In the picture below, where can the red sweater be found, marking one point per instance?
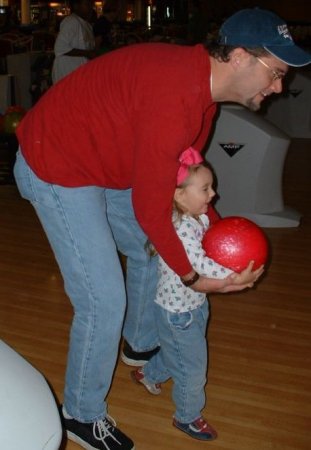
(121, 121)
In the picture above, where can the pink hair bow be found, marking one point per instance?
(188, 158)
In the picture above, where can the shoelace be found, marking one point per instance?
(101, 430)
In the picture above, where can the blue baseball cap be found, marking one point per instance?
(261, 28)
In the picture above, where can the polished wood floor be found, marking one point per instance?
(260, 341)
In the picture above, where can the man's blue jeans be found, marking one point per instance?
(182, 357)
(141, 271)
(84, 227)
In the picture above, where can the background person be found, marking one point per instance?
(75, 42)
(105, 29)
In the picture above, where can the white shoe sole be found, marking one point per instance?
(74, 438)
(132, 362)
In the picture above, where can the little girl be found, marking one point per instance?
(180, 312)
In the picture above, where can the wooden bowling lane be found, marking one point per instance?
(259, 392)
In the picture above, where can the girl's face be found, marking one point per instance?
(194, 198)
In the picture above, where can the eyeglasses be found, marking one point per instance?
(275, 75)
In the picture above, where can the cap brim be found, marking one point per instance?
(290, 55)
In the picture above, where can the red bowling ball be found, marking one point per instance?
(235, 241)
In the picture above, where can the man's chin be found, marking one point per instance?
(252, 105)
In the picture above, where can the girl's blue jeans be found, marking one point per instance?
(182, 357)
(85, 226)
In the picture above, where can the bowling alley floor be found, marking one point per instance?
(259, 382)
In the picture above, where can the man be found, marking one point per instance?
(75, 42)
(84, 157)
(104, 29)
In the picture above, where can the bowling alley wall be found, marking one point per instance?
(290, 10)
(296, 12)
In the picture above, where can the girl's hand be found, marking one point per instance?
(234, 282)
(247, 276)
(243, 280)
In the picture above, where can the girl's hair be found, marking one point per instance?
(178, 212)
(191, 171)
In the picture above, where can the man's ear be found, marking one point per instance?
(238, 58)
